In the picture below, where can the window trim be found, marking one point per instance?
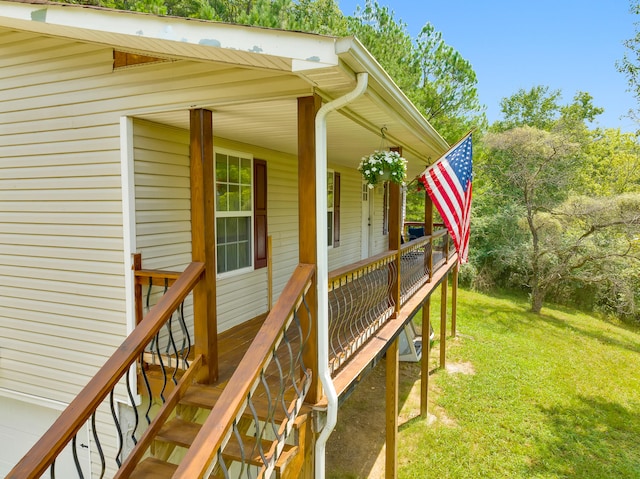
(334, 208)
(234, 214)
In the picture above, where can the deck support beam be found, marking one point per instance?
(391, 416)
(443, 320)
(424, 360)
(203, 239)
(454, 298)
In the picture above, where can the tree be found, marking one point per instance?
(613, 165)
(537, 108)
(558, 205)
(532, 165)
(447, 89)
(388, 41)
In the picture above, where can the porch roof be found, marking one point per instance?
(307, 62)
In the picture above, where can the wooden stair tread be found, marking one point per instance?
(287, 456)
(201, 395)
(205, 397)
(182, 433)
(152, 468)
(179, 432)
(233, 452)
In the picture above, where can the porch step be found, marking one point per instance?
(178, 432)
(152, 468)
(182, 433)
(205, 397)
(159, 381)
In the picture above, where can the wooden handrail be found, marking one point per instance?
(353, 267)
(214, 431)
(157, 277)
(417, 242)
(44, 452)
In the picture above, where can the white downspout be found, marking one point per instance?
(322, 272)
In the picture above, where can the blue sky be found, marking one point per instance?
(567, 45)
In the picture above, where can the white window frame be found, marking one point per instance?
(235, 214)
(330, 207)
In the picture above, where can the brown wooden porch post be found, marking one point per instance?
(443, 320)
(203, 240)
(426, 352)
(391, 416)
(395, 232)
(454, 299)
(307, 109)
(428, 231)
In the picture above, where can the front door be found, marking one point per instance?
(367, 220)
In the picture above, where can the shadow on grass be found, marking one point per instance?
(594, 439)
(600, 337)
(516, 313)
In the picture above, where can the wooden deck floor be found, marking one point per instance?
(234, 343)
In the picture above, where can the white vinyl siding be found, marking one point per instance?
(61, 235)
(22, 424)
(61, 271)
(162, 196)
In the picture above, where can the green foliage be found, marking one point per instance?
(613, 164)
(437, 79)
(537, 108)
(533, 225)
(388, 41)
(447, 92)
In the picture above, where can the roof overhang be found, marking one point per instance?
(173, 37)
(327, 65)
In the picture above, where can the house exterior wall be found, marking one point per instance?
(61, 242)
(62, 234)
(62, 261)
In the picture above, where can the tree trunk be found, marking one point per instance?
(537, 298)
(537, 294)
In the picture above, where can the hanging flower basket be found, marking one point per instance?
(383, 165)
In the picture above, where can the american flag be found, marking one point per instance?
(448, 183)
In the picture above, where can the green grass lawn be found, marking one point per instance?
(555, 395)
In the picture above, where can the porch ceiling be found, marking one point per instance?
(352, 132)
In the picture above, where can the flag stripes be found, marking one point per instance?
(448, 183)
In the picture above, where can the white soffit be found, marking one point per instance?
(173, 36)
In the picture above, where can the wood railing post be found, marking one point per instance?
(428, 231)
(137, 288)
(445, 248)
(454, 298)
(307, 109)
(391, 420)
(426, 352)
(203, 239)
(443, 320)
(395, 233)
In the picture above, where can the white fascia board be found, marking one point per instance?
(301, 50)
(362, 60)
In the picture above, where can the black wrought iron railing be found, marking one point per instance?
(360, 301)
(107, 392)
(249, 426)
